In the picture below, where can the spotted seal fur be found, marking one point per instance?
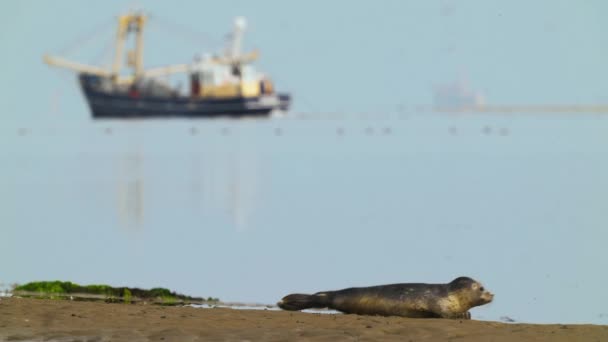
(415, 300)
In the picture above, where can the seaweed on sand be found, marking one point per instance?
(66, 289)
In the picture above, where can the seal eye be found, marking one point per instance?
(481, 289)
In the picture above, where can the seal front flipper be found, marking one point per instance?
(297, 301)
(462, 315)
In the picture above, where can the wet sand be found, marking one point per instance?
(24, 319)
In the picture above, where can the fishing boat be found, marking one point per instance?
(225, 84)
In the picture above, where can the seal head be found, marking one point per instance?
(470, 291)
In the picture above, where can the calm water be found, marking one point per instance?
(249, 211)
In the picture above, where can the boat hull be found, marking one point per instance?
(123, 105)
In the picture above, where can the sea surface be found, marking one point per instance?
(251, 210)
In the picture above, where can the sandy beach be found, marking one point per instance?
(23, 319)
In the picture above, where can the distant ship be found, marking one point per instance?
(221, 85)
(456, 96)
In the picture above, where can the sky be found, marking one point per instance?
(352, 188)
(339, 56)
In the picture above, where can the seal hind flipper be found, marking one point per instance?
(297, 301)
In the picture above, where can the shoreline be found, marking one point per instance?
(26, 319)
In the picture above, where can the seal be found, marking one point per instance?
(415, 300)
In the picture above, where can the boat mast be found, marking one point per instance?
(126, 24)
(139, 48)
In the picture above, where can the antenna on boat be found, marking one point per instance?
(232, 53)
(240, 24)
